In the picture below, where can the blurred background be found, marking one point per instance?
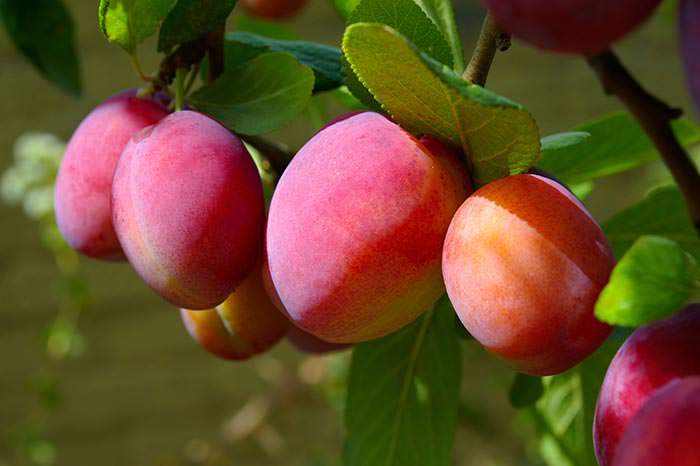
(95, 369)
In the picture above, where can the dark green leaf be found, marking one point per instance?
(662, 213)
(42, 30)
(409, 20)
(130, 22)
(617, 144)
(500, 136)
(525, 391)
(554, 143)
(442, 14)
(190, 19)
(324, 60)
(261, 95)
(652, 281)
(403, 395)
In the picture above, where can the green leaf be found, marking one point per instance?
(190, 19)
(554, 143)
(617, 144)
(130, 22)
(408, 19)
(42, 30)
(403, 395)
(652, 281)
(345, 7)
(582, 190)
(564, 414)
(663, 213)
(324, 60)
(525, 391)
(442, 14)
(499, 136)
(259, 96)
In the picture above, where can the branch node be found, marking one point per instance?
(491, 40)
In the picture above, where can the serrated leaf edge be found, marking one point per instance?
(463, 133)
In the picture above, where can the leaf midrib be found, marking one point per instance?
(410, 372)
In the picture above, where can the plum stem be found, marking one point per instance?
(491, 40)
(655, 117)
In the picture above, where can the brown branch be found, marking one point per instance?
(655, 117)
(278, 155)
(491, 40)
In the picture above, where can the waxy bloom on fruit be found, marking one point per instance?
(188, 209)
(356, 228)
(84, 183)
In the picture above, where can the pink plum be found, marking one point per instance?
(356, 227)
(188, 209)
(84, 183)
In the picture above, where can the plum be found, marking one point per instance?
(524, 263)
(188, 209)
(356, 228)
(650, 358)
(84, 182)
(585, 27)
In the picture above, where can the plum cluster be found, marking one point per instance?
(648, 410)
(367, 228)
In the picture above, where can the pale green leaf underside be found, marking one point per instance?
(652, 281)
(261, 95)
(130, 22)
(499, 136)
(403, 393)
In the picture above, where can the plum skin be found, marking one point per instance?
(84, 182)
(586, 27)
(523, 264)
(356, 228)
(273, 9)
(650, 358)
(245, 325)
(188, 209)
(301, 340)
(665, 430)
